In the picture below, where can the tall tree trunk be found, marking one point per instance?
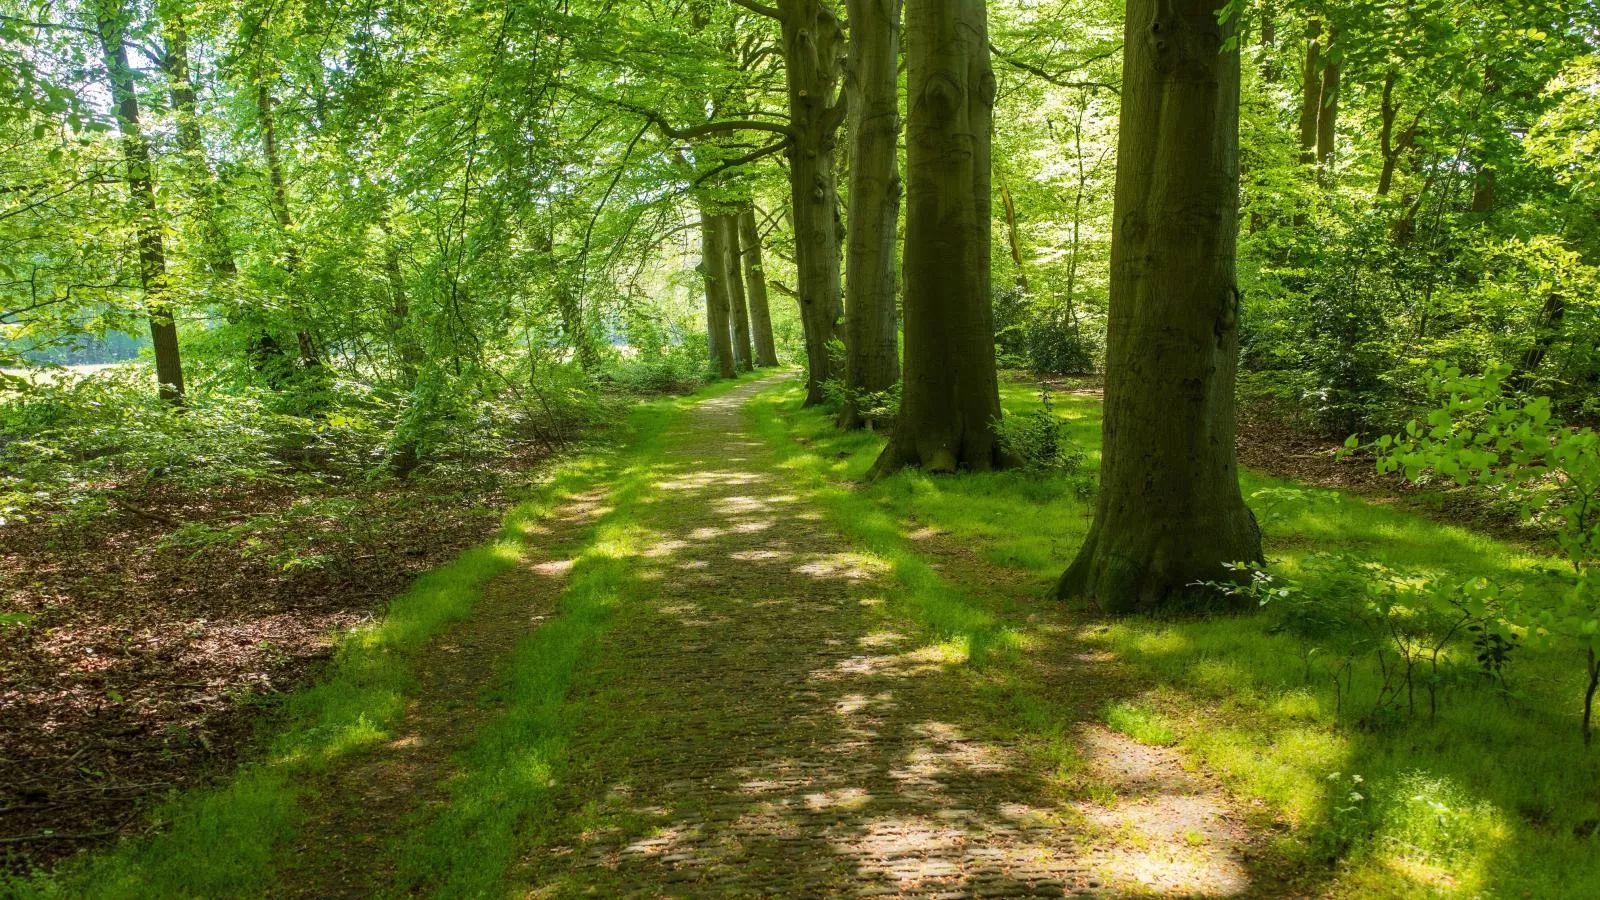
(1388, 112)
(743, 356)
(1328, 118)
(1311, 92)
(1266, 59)
(268, 120)
(872, 346)
(950, 400)
(401, 334)
(204, 198)
(812, 38)
(1170, 512)
(714, 269)
(755, 282)
(111, 21)
(1546, 330)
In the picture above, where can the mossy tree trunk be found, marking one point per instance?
(1170, 512)
(950, 400)
(755, 284)
(743, 355)
(812, 38)
(872, 347)
(111, 19)
(714, 269)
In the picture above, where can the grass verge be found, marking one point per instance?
(1495, 796)
(220, 842)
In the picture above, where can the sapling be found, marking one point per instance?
(1478, 434)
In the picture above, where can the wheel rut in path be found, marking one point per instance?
(361, 806)
(759, 725)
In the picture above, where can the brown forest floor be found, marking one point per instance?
(155, 650)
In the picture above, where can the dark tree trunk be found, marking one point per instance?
(755, 283)
(111, 23)
(1546, 330)
(872, 347)
(950, 400)
(1170, 512)
(743, 355)
(715, 272)
(811, 41)
(1013, 238)
(1388, 112)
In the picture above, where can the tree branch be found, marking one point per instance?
(1056, 77)
(759, 9)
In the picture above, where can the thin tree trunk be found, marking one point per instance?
(811, 40)
(950, 400)
(205, 200)
(111, 23)
(1311, 92)
(755, 282)
(268, 120)
(400, 332)
(743, 355)
(1169, 512)
(714, 270)
(872, 347)
(1012, 238)
(1328, 118)
(1546, 330)
(1388, 112)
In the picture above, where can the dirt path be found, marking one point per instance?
(757, 723)
(785, 738)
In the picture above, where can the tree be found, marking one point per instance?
(950, 400)
(755, 279)
(713, 267)
(111, 23)
(1169, 512)
(738, 309)
(872, 346)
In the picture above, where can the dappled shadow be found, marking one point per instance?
(785, 739)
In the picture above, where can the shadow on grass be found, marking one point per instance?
(1495, 796)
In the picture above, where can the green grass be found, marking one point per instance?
(1495, 797)
(1139, 721)
(221, 842)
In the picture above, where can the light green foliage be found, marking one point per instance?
(1040, 440)
(1479, 435)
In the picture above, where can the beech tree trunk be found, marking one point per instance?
(872, 345)
(715, 272)
(204, 199)
(111, 23)
(743, 354)
(811, 41)
(1170, 512)
(950, 400)
(755, 288)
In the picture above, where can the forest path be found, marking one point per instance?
(761, 724)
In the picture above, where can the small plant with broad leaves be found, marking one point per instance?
(1480, 433)
(1040, 440)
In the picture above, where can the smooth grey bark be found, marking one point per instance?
(872, 345)
(267, 118)
(111, 25)
(204, 199)
(755, 288)
(950, 400)
(739, 312)
(812, 38)
(714, 270)
(1169, 511)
